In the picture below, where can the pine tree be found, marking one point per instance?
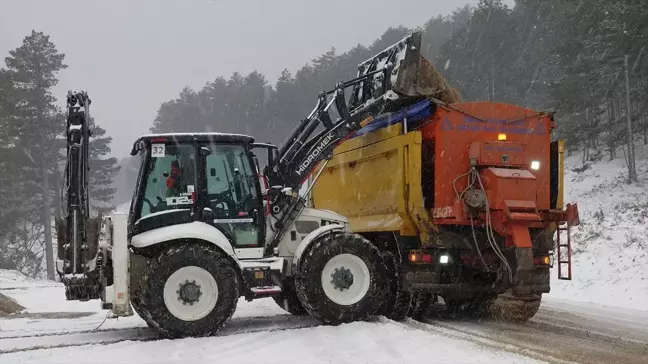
(7, 166)
(102, 170)
(33, 67)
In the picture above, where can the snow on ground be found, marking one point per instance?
(610, 247)
(362, 342)
(10, 279)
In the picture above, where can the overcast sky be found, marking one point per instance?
(133, 55)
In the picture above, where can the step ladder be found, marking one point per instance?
(564, 252)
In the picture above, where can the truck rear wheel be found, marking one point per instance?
(421, 305)
(398, 301)
(341, 278)
(189, 290)
(479, 307)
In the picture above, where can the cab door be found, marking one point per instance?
(232, 198)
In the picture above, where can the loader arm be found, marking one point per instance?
(384, 82)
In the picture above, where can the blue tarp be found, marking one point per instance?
(414, 113)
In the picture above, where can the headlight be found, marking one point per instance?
(535, 165)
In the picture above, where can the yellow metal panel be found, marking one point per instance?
(386, 222)
(361, 182)
(374, 180)
(415, 202)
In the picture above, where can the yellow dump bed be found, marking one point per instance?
(375, 181)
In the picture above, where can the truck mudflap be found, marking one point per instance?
(513, 308)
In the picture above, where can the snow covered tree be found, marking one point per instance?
(33, 67)
(103, 170)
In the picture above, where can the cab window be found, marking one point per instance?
(170, 178)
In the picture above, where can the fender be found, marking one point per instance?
(308, 239)
(192, 230)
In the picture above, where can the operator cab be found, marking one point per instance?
(207, 177)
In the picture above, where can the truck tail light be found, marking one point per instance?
(419, 257)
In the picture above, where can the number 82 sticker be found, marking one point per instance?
(157, 150)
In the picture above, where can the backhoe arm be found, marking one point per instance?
(77, 232)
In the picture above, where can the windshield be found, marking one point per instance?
(169, 178)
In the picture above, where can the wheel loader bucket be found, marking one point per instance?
(412, 74)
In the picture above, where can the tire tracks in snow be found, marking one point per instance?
(553, 336)
(525, 349)
(237, 326)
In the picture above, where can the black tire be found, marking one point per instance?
(288, 299)
(311, 292)
(135, 292)
(478, 307)
(135, 303)
(421, 305)
(189, 256)
(398, 301)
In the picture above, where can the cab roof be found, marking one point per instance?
(191, 137)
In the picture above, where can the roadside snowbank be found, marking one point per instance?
(11, 279)
(610, 246)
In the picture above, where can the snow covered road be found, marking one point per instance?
(565, 331)
(52, 330)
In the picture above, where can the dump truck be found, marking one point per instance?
(466, 197)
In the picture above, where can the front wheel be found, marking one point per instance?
(189, 290)
(341, 278)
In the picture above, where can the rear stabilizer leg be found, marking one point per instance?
(117, 295)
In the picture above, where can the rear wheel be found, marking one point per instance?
(421, 305)
(189, 290)
(340, 278)
(398, 301)
(135, 303)
(476, 307)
